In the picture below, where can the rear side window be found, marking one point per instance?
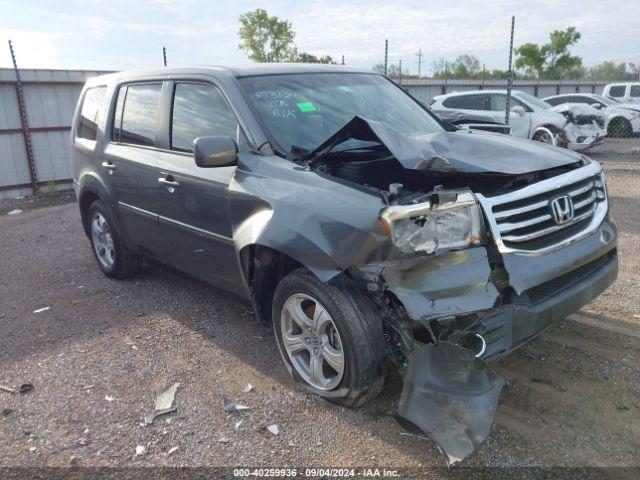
(88, 126)
(556, 101)
(199, 111)
(467, 102)
(136, 117)
(634, 91)
(617, 91)
(569, 99)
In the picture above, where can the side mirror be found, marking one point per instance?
(518, 110)
(211, 152)
(596, 105)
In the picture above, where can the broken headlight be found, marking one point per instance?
(427, 227)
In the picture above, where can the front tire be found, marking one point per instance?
(111, 255)
(330, 338)
(545, 135)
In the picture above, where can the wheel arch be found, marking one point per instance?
(262, 269)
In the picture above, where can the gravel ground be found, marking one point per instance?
(104, 349)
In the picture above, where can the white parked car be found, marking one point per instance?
(625, 92)
(571, 126)
(621, 119)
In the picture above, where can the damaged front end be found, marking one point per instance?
(451, 235)
(476, 275)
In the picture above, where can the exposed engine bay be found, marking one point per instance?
(403, 168)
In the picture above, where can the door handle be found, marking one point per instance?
(109, 166)
(168, 183)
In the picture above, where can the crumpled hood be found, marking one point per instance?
(459, 151)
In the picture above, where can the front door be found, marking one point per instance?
(520, 124)
(194, 211)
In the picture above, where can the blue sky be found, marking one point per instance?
(119, 34)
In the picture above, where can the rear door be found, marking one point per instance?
(194, 209)
(131, 157)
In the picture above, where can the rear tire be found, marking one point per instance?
(108, 249)
(359, 337)
(619, 128)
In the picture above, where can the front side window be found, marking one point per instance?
(88, 126)
(303, 110)
(634, 91)
(617, 91)
(199, 111)
(139, 105)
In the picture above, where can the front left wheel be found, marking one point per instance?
(330, 337)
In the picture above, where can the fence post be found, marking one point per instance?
(24, 122)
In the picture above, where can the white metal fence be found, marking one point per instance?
(50, 98)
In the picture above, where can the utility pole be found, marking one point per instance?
(510, 82)
(164, 55)
(484, 70)
(419, 55)
(399, 72)
(342, 60)
(386, 53)
(26, 131)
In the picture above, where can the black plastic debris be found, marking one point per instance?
(449, 399)
(25, 388)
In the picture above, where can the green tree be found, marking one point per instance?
(553, 59)
(464, 66)
(304, 57)
(608, 71)
(265, 38)
(392, 70)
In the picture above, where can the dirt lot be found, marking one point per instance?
(104, 349)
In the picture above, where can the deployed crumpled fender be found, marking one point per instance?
(451, 400)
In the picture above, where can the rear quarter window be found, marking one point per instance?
(88, 122)
(634, 91)
(617, 91)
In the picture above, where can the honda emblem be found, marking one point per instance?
(562, 209)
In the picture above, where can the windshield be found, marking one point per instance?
(303, 110)
(532, 101)
(607, 101)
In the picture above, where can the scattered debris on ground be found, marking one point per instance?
(230, 406)
(164, 404)
(40, 310)
(273, 429)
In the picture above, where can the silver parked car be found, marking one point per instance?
(530, 117)
(621, 119)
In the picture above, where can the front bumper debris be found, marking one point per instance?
(450, 399)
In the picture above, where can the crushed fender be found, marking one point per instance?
(449, 399)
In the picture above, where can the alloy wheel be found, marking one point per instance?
(102, 240)
(312, 341)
